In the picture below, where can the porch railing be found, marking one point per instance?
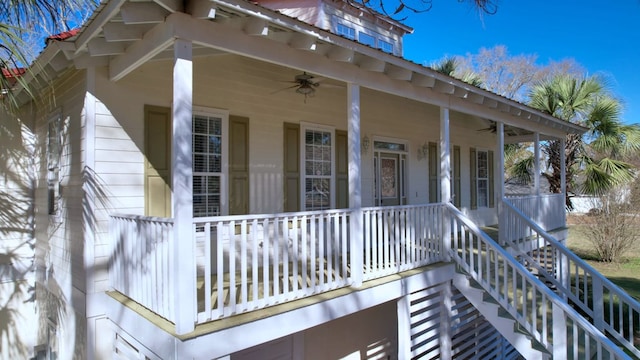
(548, 211)
(609, 307)
(249, 262)
(401, 238)
(141, 261)
(254, 261)
(542, 313)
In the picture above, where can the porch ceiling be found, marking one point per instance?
(125, 34)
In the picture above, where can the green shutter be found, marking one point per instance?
(238, 165)
(457, 194)
(157, 164)
(434, 166)
(291, 167)
(342, 169)
(491, 180)
(473, 182)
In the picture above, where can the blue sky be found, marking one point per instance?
(602, 36)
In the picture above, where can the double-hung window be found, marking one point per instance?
(210, 155)
(317, 157)
(482, 178)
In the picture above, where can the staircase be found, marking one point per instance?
(499, 319)
(601, 302)
(539, 323)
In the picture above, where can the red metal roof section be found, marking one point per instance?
(63, 35)
(12, 73)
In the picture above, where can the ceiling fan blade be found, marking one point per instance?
(283, 89)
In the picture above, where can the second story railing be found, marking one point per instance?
(400, 238)
(141, 265)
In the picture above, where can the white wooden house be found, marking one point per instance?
(271, 179)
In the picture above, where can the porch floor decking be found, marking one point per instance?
(249, 316)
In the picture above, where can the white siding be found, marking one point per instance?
(17, 277)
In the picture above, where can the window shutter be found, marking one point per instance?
(491, 180)
(434, 166)
(291, 167)
(456, 177)
(472, 172)
(157, 164)
(238, 165)
(342, 170)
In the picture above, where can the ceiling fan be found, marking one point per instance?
(305, 84)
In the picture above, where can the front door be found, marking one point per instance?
(389, 170)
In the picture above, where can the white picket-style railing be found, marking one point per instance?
(141, 261)
(543, 314)
(609, 307)
(250, 262)
(547, 210)
(400, 238)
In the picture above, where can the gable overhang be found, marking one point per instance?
(124, 35)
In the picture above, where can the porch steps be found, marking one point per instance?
(504, 323)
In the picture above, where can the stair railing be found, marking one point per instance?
(609, 307)
(544, 315)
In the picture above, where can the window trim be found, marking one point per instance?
(304, 127)
(487, 178)
(359, 29)
(403, 168)
(224, 174)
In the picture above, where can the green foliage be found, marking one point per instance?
(20, 22)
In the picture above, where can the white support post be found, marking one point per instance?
(404, 327)
(559, 332)
(182, 186)
(445, 157)
(536, 178)
(355, 197)
(445, 322)
(502, 225)
(445, 178)
(563, 175)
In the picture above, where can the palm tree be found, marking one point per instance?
(598, 155)
(23, 19)
(449, 66)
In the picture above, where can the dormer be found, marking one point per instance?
(348, 19)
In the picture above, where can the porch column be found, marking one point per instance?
(536, 159)
(563, 177)
(500, 179)
(184, 271)
(355, 198)
(445, 179)
(536, 178)
(403, 307)
(445, 157)
(563, 170)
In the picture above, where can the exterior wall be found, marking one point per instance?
(245, 87)
(61, 287)
(17, 273)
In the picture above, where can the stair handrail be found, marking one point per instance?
(560, 309)
(599, 282)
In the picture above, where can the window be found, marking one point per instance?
(209, 159)
(318, 169)
(385, 46)
(54, 149)
(346, 31)
(367, 39)
(482, 178)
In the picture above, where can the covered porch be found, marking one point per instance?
(191, 269)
